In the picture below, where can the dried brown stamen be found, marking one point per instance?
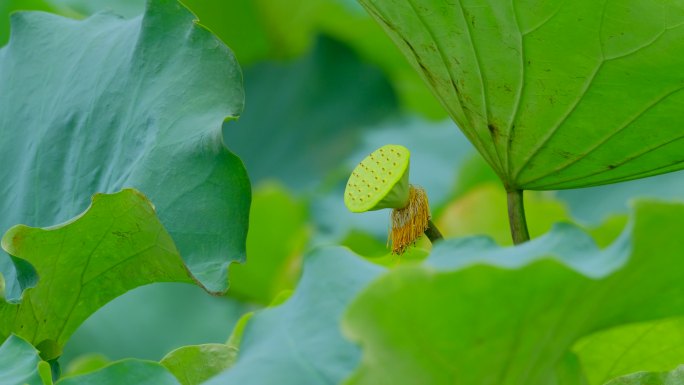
(410, 222)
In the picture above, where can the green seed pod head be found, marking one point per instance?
(380, 181)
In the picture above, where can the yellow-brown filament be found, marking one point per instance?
(410, 222)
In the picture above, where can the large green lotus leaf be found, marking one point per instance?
(554, 95)
(675, 377)
(654, 346)
(85, 364)
(105, 103)
(482, 314)
(116, 245)
(129, 371)
(278, 233)
(257, 30)
(337, 93)
(20, 363)
(195, 364)
(299, 341)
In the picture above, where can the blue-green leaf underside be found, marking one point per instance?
(106, 103)
(128, 371)
(19, 363)
(299, 341)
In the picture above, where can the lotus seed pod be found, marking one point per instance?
(380, 181)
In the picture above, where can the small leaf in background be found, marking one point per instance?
(257, 30)
(594, 204)
(675, 377)
(318, 107)
(299, 341)
(655, 346)
(116, 245)
(9, 6)
(481, 314)
(136, 372)
(195, 364)
(126, 8)
(19, 363)
(553, 96)
(379, 253)
(150, 321)
(479, 211)
(106, 103)
(85, 364)
(278, 233)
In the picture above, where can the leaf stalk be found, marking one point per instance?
(516, 217)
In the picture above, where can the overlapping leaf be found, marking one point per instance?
(150, 321)
(20, 364)
(674, 377)
(194, 364)
(125, 372)
(481, 314)
(554, 95)
(655, 346)
(278, 232)
(115, 246)
(299, 341)
(105, 103)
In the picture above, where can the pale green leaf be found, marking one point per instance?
(649, 346)
(277, 236)
(85, 364)
(553, 94)
(478, 212)
(482, 314)
(195, 364)
(116, 245)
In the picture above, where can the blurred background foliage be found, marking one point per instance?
(324, 87)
